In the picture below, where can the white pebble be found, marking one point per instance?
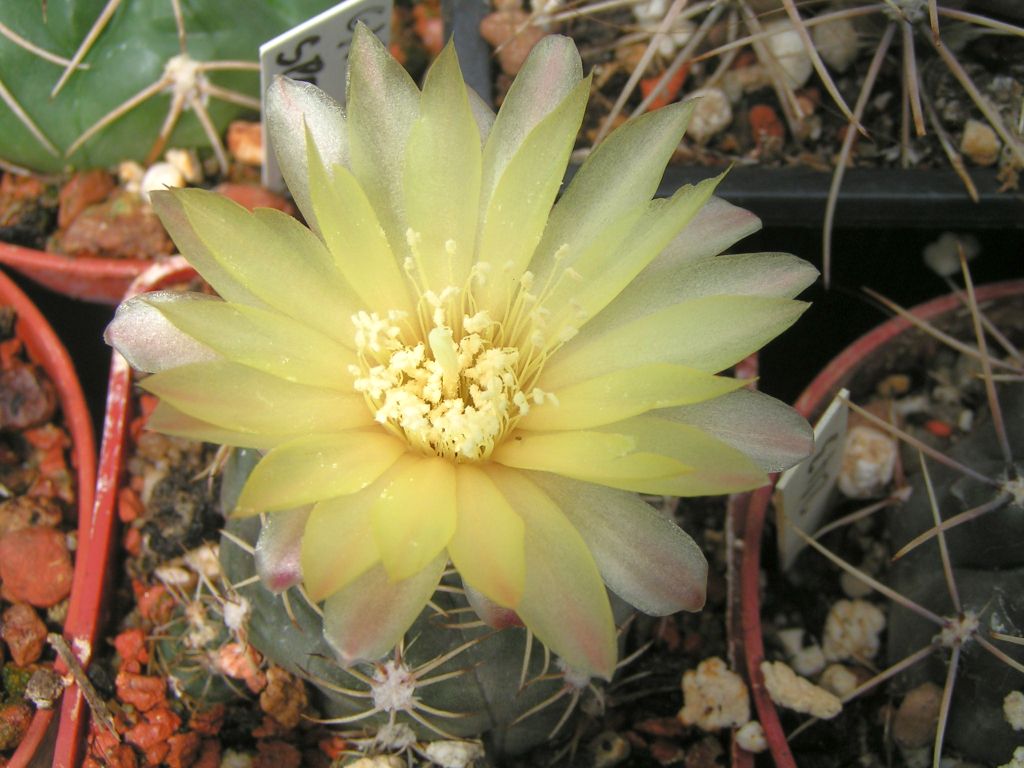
(791, 691)
(714, 697)
(454, 754)
(1017, 761)
(750, 737)
(232, 759)
(1013, 710)
(791, 639)
(853, 587)
(788, 49)
(965, 421)
(942, 255)
(160, 176)
(186, 161)
(869, 457)
(711, 114)
(809, 661)
(852, 630)
(838, 679)
(836, 42)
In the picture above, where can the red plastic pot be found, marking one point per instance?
(99, 557)
(857, 368)
(101, 281)
(80, 627)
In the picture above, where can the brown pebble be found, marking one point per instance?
(980, 143)
(85, 188)
(894, 385)
(123, 227)
(277, 754)
(706, 753)
(27, 397)
(35, 566)
(917, 716)
(28, 511)
(24, 632)
(254, 196)
(284, 698)
(509, 32)
(666, 752)
(245, 142)
(14, 720)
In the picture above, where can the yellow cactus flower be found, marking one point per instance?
(448, 365)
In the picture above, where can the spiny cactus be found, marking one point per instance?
(133, 67)
(988, 564)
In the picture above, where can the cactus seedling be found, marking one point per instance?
(446, 367)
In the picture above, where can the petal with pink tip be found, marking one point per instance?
(366, 619)
(666, 282)
(338, 544)
(770, 432)
(278, 549)
(715, 466)
(564, 601)
(148, 341)
(294, 108)
(382, 105)
(644, 557)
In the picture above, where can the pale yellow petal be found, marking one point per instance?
(414, 514)
(615, 258)
(516, 214)
(169, 420)
(338, 544)
(316, 467)
(564, 601)
(627, 392)
(716, 467)
(265, 340)
(242, 399)
(353, 234)
(442, 177)
(600, 457)
(709, 333)
(487, 547)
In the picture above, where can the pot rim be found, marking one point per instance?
(811, 403)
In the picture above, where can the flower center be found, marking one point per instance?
(453, 381)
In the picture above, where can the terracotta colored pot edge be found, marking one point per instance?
(812, 402)
(93, 279)
(46, 349)
(102, 544)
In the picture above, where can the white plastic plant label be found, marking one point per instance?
(316, 51)
(803, 491)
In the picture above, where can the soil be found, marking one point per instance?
(37, 530)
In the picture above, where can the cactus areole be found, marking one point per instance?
(448, 365)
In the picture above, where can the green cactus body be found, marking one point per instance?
(130, 54)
